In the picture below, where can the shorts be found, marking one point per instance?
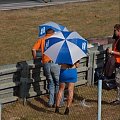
(68, 75)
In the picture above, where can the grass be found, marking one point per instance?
(19, 28)
(19, 31)
(36, 109)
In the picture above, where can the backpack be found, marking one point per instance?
(108, 83)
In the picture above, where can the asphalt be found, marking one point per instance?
(20, 4)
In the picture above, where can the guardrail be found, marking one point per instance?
(25, 79)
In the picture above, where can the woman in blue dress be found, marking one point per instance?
(68, 76)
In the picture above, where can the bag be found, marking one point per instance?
(107, 83)
(109, 66)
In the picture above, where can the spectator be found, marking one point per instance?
(51, 70)
(68, 75)
(116, 52)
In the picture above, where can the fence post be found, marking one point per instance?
(24, 80)
(99, 98)
(90, 75)
(93, 68)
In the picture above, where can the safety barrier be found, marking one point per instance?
(25, 79)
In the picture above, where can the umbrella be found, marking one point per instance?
(56, 27)
(66, 47)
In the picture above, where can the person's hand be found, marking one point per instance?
(110, 50)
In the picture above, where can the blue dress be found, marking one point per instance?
(68, 75)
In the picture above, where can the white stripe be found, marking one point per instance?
(74, 35)
(75, 51)
(52, 24)
(65, 29)
(58, 35)
(53, 51)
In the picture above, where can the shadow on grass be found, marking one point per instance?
(39, 109)
(42, 101)
(80, 98)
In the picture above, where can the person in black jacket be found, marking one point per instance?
(115, 50)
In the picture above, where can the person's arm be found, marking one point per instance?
(34, 53)
(115, 52)
(36, 46)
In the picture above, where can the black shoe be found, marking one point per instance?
(116, 102)
(66, 111)
(57, 110)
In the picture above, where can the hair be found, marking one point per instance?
(117, 26)
(49, 31)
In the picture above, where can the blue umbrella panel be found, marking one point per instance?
(56, 27)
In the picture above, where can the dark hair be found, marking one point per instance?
(49, 31)
(117, 26)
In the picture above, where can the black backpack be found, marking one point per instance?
(107, 83)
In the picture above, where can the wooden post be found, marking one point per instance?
(24, 80)
(90, 76)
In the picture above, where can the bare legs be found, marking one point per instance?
(70, 94)
(69, 99)
(60, 93)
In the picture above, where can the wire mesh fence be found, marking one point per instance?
(84, 107)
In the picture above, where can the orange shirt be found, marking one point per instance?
(40, 44)
(117, 57)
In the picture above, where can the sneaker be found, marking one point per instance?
(66, 111)
(116, 102)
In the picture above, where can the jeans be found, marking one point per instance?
(52, 71)
(117, 78)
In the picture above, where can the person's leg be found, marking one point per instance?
(70, 93)
(47, 72)
(70, 97)
(55, 69)
(118, 82)
(117, 79)
(59, 96)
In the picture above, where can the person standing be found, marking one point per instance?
(115, 50)
(51, 70)
(68, 76)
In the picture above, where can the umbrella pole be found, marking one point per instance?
(99, 98)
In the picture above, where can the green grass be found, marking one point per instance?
(19, 28)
